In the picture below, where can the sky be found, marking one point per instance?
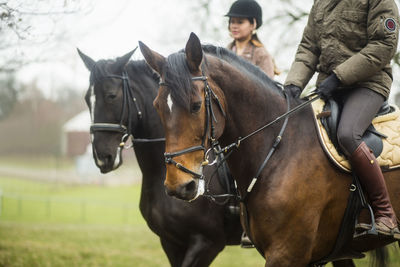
(109, 29)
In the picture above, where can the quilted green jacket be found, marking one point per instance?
(355, 39)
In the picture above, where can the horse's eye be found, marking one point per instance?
(111, 96)
(196, 107)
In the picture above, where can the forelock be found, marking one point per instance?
(179, 79)
(101, 69)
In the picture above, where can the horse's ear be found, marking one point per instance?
(122, 61)
(155, 60)
(89, 63)
(194, 53)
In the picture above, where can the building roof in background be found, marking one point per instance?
(79, 123)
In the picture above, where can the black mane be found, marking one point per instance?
(100, 70)
(103, 68)
(178, 76)
(244, 65)
(141, 69)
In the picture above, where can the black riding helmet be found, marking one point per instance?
(246, 9)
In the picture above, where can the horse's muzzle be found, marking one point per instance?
(188, 191)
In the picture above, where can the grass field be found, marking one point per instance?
(55, 224)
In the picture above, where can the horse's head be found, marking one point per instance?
(188, 103)
(108, 99)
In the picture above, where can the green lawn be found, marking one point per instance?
(111, 233)
(37, 162)
(57, 203)
(27, 244)
(53, 224)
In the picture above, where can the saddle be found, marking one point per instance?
(330, 120)
(382, 136)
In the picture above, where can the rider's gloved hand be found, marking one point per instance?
(293, 90)
(328, 86)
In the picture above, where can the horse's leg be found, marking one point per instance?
(175, 254)
(343, 263)
(201, 251)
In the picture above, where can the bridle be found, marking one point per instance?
(126, 130)
(210, 118)
(227, 150)
(208, 129)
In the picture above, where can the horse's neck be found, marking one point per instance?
(145, 90)
(149, 155)
(151, 162)
(249, 106)
(299, 138)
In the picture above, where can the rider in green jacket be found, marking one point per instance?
(350, 43)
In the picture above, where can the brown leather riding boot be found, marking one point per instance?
(370, 174)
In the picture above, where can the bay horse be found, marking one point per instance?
(295, 207)
(120, 99)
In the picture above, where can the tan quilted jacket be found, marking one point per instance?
(259, 56)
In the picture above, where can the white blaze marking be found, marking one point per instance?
(200, 186)
(200, 189)
(92, 102)
(169, 102)
(117, 158)
(100, 163)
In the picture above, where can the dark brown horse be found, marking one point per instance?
(120, 99)
(296, 205)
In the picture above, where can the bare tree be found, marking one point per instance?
(31, 23)
(8, 96)
(27, 28)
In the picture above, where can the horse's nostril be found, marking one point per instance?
(108, 159)
(169, 192)
(186, 191)
(190, 186)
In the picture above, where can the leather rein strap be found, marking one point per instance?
(210, 118)
(278, 139)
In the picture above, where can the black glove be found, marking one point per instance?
(328, 86)
(293, 90)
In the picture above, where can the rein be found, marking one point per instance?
(127, 92)
(274, 145)
(208, 93)
(283, 116)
